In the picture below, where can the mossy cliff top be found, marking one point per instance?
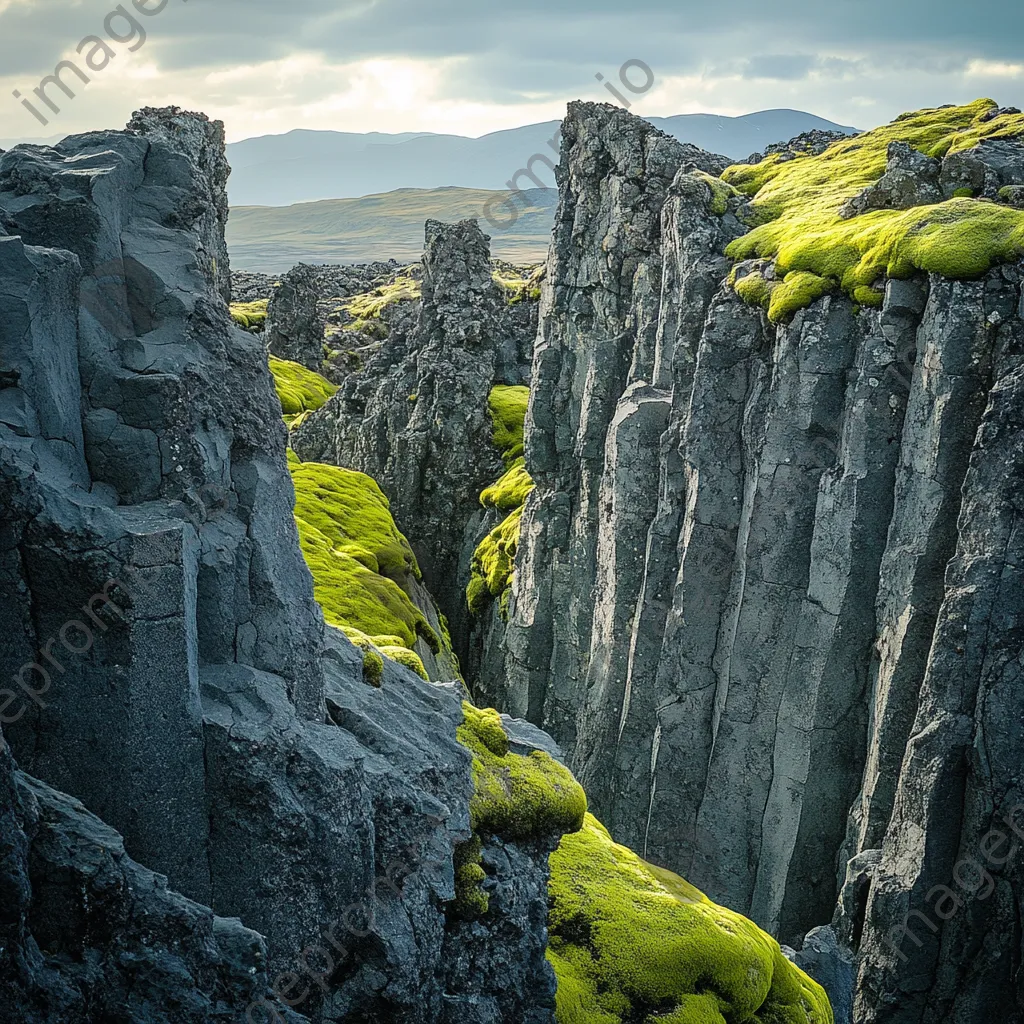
(798, 202)
(632, 942)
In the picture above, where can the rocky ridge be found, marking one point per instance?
(171, 670)
(416, 418)
(767, 591)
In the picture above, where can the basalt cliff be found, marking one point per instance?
(726, 498)
(768, 588)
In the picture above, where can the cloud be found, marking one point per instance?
(785, 67)
(459, 65)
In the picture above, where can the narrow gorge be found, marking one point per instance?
(630, 639)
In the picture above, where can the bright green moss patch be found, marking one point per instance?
(801, 199)
(517, 797)
(493, 560)
(721, 193)
(252, 316)
(631, 942)
(301, 391)
(493, 563)
(507, 405)
(360, 563)
(470, 899)
(366, 308)
(781, 299)
(351, 511)
(510, 492)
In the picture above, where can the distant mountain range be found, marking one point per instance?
(342, 197)
(390, 226)
(302, 166)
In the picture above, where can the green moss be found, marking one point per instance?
(366, 308)
(866, 296)
(510, 492)
(493, 563)
(493, 560)
(801, 199)
(507, 405)
(361, 564)
(301, 391)
(470, 899)
(721, 193)
(632, 942)
(517, 797)
(252, 316)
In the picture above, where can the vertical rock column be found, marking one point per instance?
(614, 178)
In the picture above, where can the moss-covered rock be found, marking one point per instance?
(366, 308)
(518, 798)
(801, 198)
(250, 316)
(632, 942)
(361, 564)
(301, 391)
(494, 563)
(493, 560)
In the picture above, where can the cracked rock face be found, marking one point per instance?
(167, 664)
(767, 589)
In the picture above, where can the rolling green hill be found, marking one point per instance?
(390, 225)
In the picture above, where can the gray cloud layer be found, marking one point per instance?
(540, 49)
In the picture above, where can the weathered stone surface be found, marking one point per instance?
(86, 934)
(776, 625)
(910, 179)
(295, 325)
(169, 667)
(831, 965)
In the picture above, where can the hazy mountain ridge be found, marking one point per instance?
(303, 166)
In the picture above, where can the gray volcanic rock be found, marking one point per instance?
(166, 663)
(86, 934)
(766, 593)
(416, 418)
(811, 143)
(295, 326)
(910, 179)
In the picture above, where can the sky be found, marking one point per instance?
(469, 67)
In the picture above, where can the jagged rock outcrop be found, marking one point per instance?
(168, 666)
(416, 418)
(87, 934)
(767, 587)
(295, 325)
(809, 143)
